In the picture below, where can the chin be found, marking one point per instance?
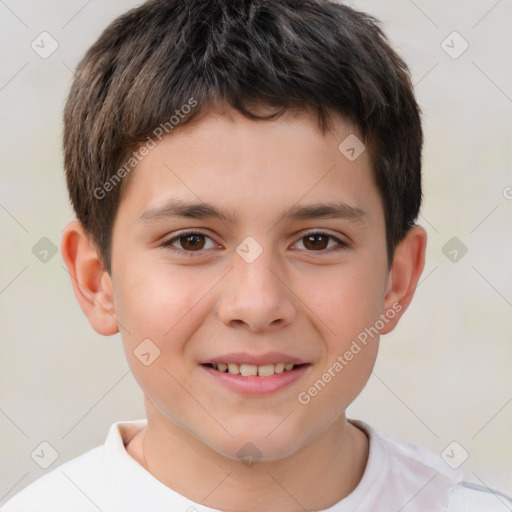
(257, 443)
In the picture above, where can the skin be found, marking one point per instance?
(297, 298)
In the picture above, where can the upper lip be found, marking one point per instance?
(255, 359)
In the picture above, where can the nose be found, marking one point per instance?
(256, 296)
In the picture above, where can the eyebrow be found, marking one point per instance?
(175, 207)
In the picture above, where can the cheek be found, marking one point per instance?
(348, 306)
(156, 301)
(159, 309)
(345, 299)
(163, 306)
(347, 303)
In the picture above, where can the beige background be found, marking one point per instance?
(444, 375)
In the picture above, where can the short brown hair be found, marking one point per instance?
(288, 55)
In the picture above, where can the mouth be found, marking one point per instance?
(252, 375)
(252, 370)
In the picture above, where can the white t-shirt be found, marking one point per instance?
(398, 477)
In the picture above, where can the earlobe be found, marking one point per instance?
(91, 283)
(408, 264)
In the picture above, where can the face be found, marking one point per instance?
(282, 261)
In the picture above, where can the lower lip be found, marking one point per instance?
(258, 385)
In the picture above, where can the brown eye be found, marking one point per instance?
(316, 241)
(189, 242)
(192, 242)
(321, 242)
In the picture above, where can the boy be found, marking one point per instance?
(246, 177)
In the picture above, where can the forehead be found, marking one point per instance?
(253, 166)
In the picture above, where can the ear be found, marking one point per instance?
(91, 283)
(408, 264)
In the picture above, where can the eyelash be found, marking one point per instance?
(168, 243)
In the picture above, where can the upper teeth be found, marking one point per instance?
(248, 370)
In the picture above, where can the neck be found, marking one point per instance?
(323, 472)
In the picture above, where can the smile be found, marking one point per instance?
(252, 370)
(256, 379)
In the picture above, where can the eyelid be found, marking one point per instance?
(318, 231)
